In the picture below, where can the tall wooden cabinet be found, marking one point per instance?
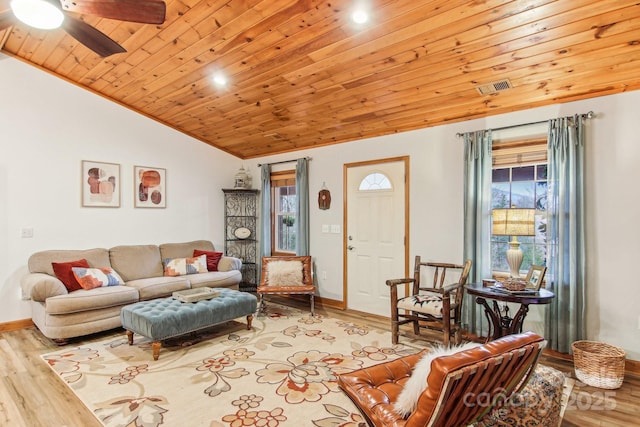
(240, 219)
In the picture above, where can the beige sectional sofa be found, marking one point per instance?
(60, 314)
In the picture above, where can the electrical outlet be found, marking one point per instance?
(26, 232)
(324, 275)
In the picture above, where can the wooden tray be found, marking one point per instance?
(195, 295)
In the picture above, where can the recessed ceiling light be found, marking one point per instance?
(37, 13)
(220, 79)
(360, 16)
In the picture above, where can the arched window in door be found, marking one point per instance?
(375, 181)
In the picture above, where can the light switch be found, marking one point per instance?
(335, 228)
(325, 228)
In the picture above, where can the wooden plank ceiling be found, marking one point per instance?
(302, 75)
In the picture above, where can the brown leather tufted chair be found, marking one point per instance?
(461, 388)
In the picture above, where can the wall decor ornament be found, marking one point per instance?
(324, 198)
(150, 187)
(100, 184)
(242, 179)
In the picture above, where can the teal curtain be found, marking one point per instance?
(302, 207)
(477, 226)
(565, 322)
(265, 210)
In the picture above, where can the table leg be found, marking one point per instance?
(249, 320)
(493, 317)
(505, 320)
(130, 337)
(518, 319)
(156, 349)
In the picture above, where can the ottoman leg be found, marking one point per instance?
(249, 319)
(130, 337)
(156, 349)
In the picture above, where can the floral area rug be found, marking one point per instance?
(282, 372)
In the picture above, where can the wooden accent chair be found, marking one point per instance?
(286, 275)
(437, 306)
(460, 388)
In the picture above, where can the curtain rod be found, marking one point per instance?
(588, 115)
(283, 161)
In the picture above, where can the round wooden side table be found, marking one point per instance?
(500, 322)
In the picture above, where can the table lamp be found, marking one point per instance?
(514, 222)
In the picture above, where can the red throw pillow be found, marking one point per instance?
(64, 272)
(212, 258)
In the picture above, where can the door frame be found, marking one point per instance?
(345, 169)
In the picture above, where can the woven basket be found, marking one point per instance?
(598, 364)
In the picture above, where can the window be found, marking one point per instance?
(520, 179)
(283, 213)
(375, 181)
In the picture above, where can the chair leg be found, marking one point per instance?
(313, 313)
(458, 337)
(446, 330)
(262, 307)
(416, 326)
(395, 329)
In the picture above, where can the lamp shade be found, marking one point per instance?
(513, 222)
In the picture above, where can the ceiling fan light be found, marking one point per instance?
(37, 13)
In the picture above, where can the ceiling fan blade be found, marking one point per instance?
(92, 38)
(6, 19)
(143, 11)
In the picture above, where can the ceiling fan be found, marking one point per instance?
(141, 11)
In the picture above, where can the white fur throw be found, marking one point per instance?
(284, 273)
(413, 388)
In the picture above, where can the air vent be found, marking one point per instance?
(494, 87)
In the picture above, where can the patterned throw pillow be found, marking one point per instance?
(182, 266)
(90, 278)
(63, 272)
(213, 258)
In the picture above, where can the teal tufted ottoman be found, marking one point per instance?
(164, 318)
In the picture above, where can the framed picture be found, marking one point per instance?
(100, 184)
(150, 188)
(535, 276)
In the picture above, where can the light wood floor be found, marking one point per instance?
(32, 396)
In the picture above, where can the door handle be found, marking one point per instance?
(350, 247)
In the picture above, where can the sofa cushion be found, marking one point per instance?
(64, 272)
(91, 299)
(216, 279)
(184, 250)
(159, 287)
(213, 258)
(40, 262)
(90, 278)
(183, 266)
(135, 262)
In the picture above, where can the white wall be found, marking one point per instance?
(48, 129)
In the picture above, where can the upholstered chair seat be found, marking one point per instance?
(425, 303)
